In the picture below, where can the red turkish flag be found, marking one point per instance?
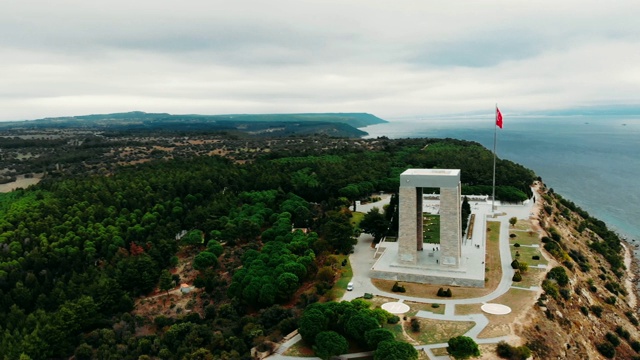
(498, 118)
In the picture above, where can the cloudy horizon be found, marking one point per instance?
(394, 60)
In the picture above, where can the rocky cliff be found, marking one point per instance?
(591, 313)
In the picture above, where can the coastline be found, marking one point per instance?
(631, 280)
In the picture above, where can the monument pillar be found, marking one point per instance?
(410, 232)
(450, 227)
(409, 224)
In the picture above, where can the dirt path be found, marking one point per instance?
(632, 297)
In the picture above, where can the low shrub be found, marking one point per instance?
(631, 318)
(584, 310)
(611, 300)
(550, 288)
(444, 293)
(435, 306)
(368, 296)
(535, 257)
(515, 265)
(512, 235)
(597, 310)
(507, 351)
(393, 319)
(568, 264)
(612, 338)
(398, 288)
(523, 267)
(516, 245)
(415, 325)
(517, 277)
(622, 332)
(606, 349)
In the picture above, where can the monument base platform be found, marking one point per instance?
(428, 269)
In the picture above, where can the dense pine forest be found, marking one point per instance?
(77, 250)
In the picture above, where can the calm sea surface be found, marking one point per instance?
(592, 161)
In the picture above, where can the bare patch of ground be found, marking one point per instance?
(520, 302)
(21, 182)
(299, 349)
(437, 331)
(173, 303)
(415, 307)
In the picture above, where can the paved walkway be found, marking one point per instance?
(363, 259)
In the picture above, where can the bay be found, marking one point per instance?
(593, 161)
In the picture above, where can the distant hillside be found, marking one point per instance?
(333, 124)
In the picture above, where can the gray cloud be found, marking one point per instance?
(394, 59)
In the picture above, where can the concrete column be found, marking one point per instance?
(450, 227)
(408, 225)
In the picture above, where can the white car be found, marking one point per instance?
(350, 286)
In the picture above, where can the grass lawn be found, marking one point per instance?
(346, 273)
(377, 301)
(437, 331)
(493, 267)
(415, 307)
(396, 329)
(467, 309)
(300, 349)
(519, 301)
(526, 253)
(431, 228)
(521, 225)
(356, 217)
(533, 277)
(440, 351)
(524, 238)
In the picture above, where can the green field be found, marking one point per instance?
(524, 237)
(531, 277)
(526, 252)
(356, 217)
(431, 228)
(340, 287)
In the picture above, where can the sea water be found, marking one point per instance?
(590, 160)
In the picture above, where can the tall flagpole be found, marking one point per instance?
(495, 132)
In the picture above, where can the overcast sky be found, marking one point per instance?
(394, 59)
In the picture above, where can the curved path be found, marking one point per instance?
(363, 259)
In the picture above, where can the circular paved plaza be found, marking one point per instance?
(496, 309)
(395, 307)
